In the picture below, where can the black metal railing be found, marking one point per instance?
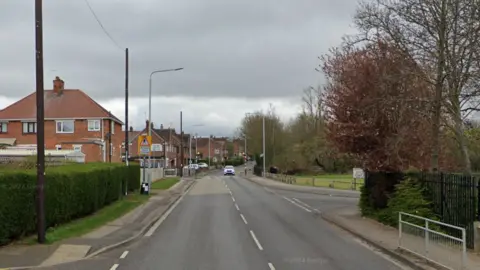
(455, 197)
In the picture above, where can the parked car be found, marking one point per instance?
(203, 165)
(229, 170)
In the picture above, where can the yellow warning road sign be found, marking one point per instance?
(144, 144)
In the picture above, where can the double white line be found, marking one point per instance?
(302, 205)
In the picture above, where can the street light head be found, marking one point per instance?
(177, 69)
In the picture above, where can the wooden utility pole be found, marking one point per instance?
(126, 107)
(40, 122)
(181, 144)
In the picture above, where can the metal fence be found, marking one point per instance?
(170, 172)
(430, 239)
(454, 197)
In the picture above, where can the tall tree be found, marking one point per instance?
(374, 104)
(442, 37)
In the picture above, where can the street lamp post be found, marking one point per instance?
(263, 135)
(150, 96)
(209, 149)
(196, 148)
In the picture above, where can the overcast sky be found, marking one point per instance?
(238, 55)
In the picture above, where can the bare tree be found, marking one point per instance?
(442, 37)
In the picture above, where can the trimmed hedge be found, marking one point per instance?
(71, 192)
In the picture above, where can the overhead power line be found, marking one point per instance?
(101, 25)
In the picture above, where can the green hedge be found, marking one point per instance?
(71, 191)
(235, 162)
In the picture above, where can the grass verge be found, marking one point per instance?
(87, 224)
(165, 183)
(336, 181)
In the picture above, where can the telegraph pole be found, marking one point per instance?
(181, 144)
(40, 122)
(126, 107)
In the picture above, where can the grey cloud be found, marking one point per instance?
(228, 48)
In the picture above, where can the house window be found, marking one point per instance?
(112, 126)
(93, 125)
(29, 127)
(3, 127)
(65, 126)
(77, 148)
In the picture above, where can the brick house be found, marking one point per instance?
(73, 120)
(172, 145)
(217, 147)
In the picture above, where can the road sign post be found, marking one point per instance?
(144, 149)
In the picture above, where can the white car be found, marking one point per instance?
(203, 165)
(229, 170)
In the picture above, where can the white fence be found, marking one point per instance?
(427, 238)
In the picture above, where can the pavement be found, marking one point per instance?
(113, 234)
(228, 222)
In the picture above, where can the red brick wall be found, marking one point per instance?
(92, 152)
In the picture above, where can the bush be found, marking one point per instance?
(71, 191)
(408, 197)
(235, 162)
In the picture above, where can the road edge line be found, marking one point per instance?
(118, 244)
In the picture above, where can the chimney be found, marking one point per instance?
(146, 124)
(58, 85)
(131, 128)
(161, 126)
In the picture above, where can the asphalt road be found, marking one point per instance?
(232, 223)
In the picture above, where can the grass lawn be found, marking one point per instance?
(165, 183)
(87, 224)
(337, 181)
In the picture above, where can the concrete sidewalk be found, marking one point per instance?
(112, 235)
(385, 238)
(298, 188)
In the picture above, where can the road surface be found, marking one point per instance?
(232, 223)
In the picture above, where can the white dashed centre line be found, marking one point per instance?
(236, 206)
(233, 199)
(115, 266)
(244, 220)
(124, 254)
(256, 240)
(271, 266)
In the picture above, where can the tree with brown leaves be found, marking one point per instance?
(375, 107)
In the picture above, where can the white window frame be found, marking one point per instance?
(94, 125)
(63, 121)
(3, 127)
(112, 126)
(27, 124)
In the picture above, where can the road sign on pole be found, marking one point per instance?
(144, 145)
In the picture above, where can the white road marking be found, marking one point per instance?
(233, 199)
(306, 205)
(271, 266)
(299, 205)
(244, 220)
(236, 206)
(124, 254)
(164, 217)
(114, 266)
(256, 240)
